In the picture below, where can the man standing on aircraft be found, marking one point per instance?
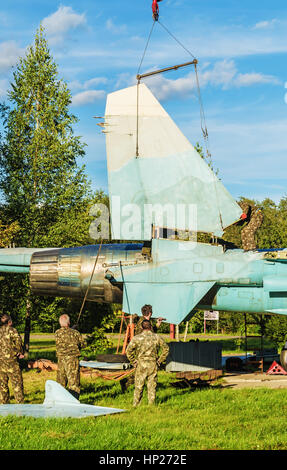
(11, 349)
(68, 349)
(143, 353)
(254, 221)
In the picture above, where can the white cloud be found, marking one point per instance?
(266, 24)
(115, 29)
(223, 74)
(9, 55)
(88, 97)
(76, 85)
(248, 79)
(4, 84)
(58, 24)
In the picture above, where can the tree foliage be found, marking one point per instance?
(46, 194)
(40, 177)
(8, 233)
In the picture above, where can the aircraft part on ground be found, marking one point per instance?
(167, 172)
(105, 365)
(58, 403)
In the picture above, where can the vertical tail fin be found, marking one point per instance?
(168, 171)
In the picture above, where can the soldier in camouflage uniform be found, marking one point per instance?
(254, 222)
(11, 349)
(68, 349)
(143, 353)
(146, 315)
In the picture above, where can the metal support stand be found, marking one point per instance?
(130, 332)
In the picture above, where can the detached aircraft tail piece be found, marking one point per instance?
(166, 171)
(58, 403)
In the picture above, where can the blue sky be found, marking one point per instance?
(241, 48)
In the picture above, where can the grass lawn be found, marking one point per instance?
(210, 418)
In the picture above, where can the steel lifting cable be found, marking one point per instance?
(177, 40)
(206, 141)
(147, 43)
(202, 115)
(90, 281)
(138, 83)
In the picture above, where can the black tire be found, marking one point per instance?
(283, 359)
(112, 358)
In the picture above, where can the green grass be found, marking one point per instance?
(211, 418)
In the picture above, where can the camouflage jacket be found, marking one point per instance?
(145, 347)
(68, 342)
(10, 343)
(139, 329)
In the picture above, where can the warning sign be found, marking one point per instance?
(211, 315)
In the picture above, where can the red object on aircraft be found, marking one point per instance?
(243, 216)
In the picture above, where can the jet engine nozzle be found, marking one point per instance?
(67, 272)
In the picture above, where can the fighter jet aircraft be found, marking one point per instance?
(162, 193)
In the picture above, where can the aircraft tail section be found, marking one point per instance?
(55, 394)
(153, 168)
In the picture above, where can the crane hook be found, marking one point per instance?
(155, 9)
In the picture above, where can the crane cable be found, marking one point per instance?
(89, 285)
(138, 83)
(145, 49)
(202, 114)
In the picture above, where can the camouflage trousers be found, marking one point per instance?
(145, 371)
(68, 374)
(10, 370)
(248, 232)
